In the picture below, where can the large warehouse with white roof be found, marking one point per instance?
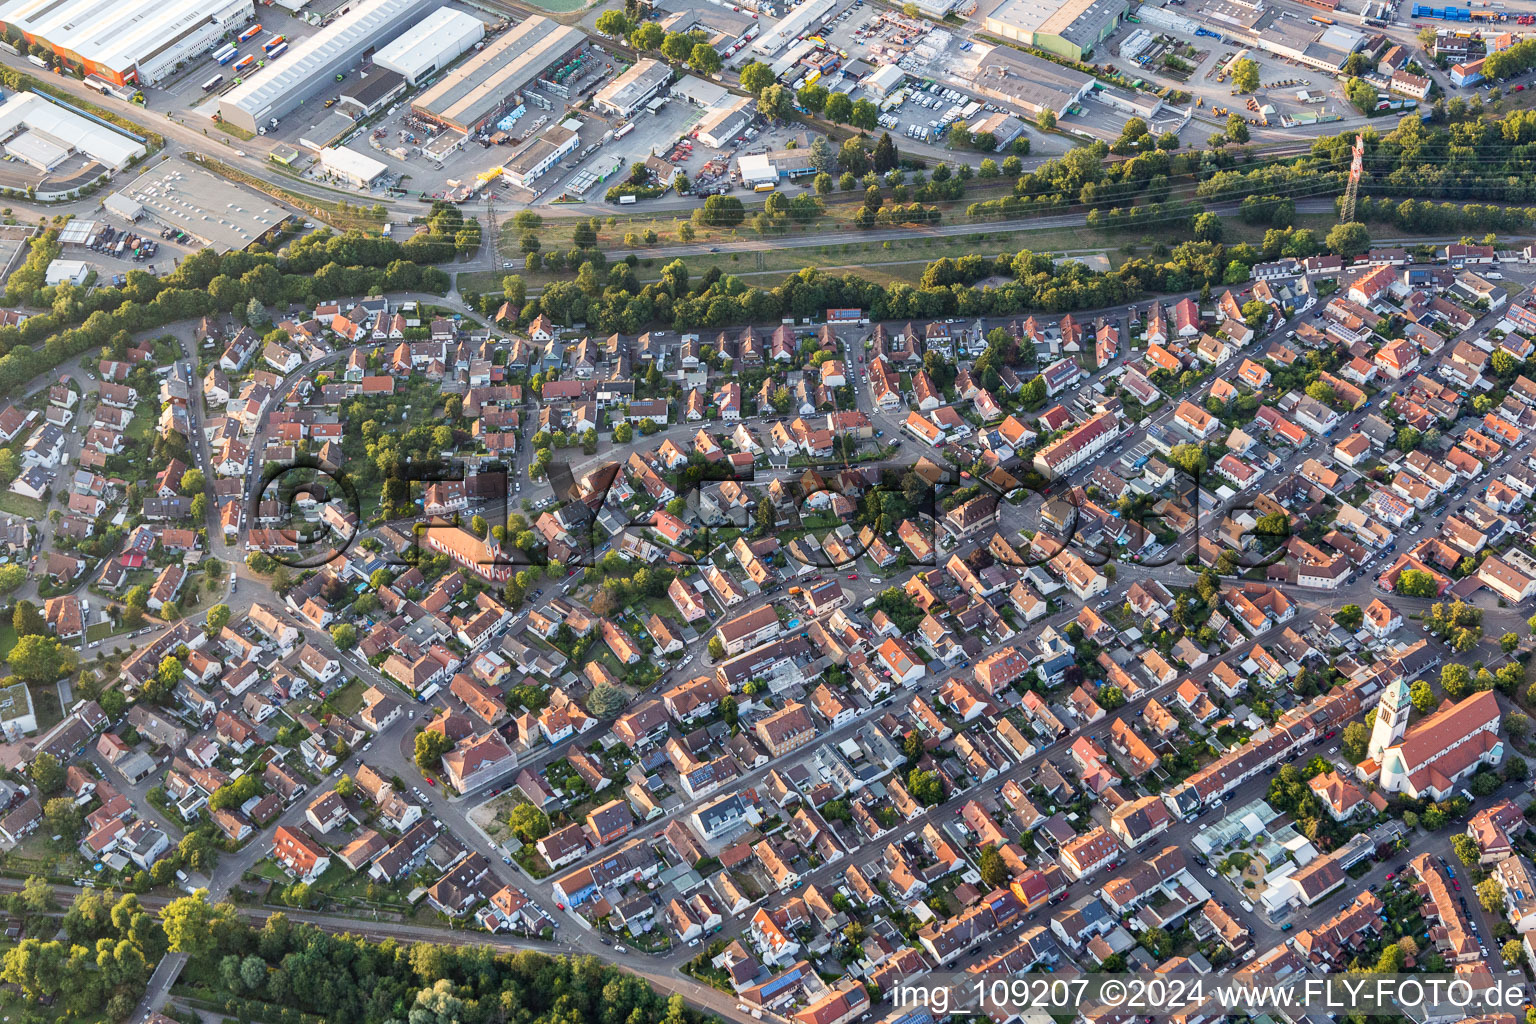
(311, 65)
(432, 44)
(38, 130)
(490, 83)
(125, 42)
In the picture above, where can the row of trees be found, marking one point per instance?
(345, 979)
(716, 299)
(320, 266)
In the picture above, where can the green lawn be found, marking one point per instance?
(7, 638)
(348, 700)
(21, 505)
(45, 704)
(143, 422)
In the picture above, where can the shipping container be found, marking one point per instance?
(274, 43)
(245, 62)
(35, 59)
(278, 51)
(225, 54)
(212, 83)
(250, 33)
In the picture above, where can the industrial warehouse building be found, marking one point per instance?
(356, 169)
(489, 84)
(726, 115)
(724, 123)
(536, 158)
(801, 22)
(1285, 30)
(217, 212)
(43, 133)
(767, 168)
(1029, 83)
(311, 65)
(725, 29)
(371, 92)
(884, 81)
(633, 89)
(125, 42)
(1070, 29)
(431, 45)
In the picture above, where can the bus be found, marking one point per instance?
(244, 62)
(250, 33)
(765, 187)
(227, 54)
(212, 83)
(274, 43)
(278, 51)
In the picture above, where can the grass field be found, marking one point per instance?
(882, 261)
(21, 505)
(904, 260)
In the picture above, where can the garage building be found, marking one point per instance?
(631, 90)
(125, 42)
(311, 65)
(486, 86)
(434, 43)
(1071, 29)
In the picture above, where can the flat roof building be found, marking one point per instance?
(1282, 29)
(126, 41)
(1029, 83)
(66, 271)
(481, 89)
(535, 159)
(799, 22)
(311, 65)
(431, 44)
(1071, 29)
(352, 167)
(631, 90)
(38, 128)
(217, 212)
(765, 168)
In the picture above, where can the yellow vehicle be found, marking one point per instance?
(765, 188)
